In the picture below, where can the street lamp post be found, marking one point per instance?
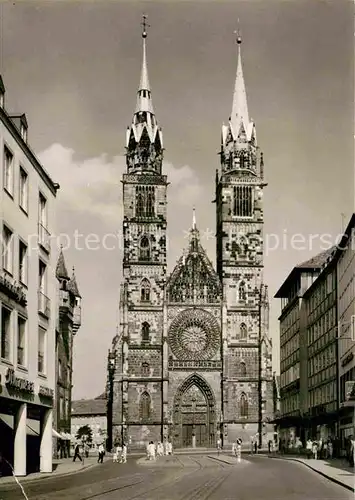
(111, 372)
(260, 412)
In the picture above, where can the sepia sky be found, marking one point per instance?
(74, 67)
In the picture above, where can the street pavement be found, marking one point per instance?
(185, 477)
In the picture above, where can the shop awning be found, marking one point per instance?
(32, 426)
(56, 434)
(65, 436)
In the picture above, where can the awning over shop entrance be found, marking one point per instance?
(32, 426)
(56, 434)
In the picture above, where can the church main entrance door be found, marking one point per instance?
(200, 433)
(194, 416)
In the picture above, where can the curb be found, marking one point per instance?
(52, 475)
(336, 481)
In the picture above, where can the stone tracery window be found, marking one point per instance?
(243, 201)
(145, 201)
(243, 406)
(139, 204)
(144, 249)
(145, 290)
(145, 332)
(145, 369)
(242, 293)
(243, 369)
(243, 331)
(144, 406)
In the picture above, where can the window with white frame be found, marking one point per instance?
(7, 249)
(21, 341)
(23, 262)
(23, 191)
(41, 350)
(8, 171)
(6, 333)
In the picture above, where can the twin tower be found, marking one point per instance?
(191, 361)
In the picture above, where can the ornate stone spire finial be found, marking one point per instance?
(193, 218)
(145, 26)
(240, 112)
(239, 35)
(144, 82)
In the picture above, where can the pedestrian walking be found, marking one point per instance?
(330, 448)
(315, 450)
(219, 445)
(160, 449)
(123, 459)
(169, 448)
(100, 460)
(309, 447)
(117, 453)
(77, 453)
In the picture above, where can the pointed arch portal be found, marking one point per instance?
(194, 415)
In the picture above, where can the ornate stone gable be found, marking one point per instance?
(194, 280)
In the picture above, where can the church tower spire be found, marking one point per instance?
(239, 150)
(240, 105)
(144, 140)
(240, 261)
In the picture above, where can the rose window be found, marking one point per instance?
(194, 334)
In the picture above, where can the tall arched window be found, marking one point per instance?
(243, 406)
(243, 331)
(139, 204)
(144, 406)
(242, 293)
(144, 249)
(150, 202)
(145, 332)
(145, 369)
(243, 369)
(145, 290)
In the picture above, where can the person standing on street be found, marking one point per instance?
(123, 459)
(100, 460)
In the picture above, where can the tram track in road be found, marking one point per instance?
(143, 496)
(169, 490)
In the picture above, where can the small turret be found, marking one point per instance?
(74, 290)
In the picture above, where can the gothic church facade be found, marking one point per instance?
(192, 352)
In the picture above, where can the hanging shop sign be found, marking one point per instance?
(21, 384)
(46, 392)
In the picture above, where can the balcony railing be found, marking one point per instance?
(44, 304)
(44, 237)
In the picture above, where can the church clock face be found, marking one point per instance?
(194, 334)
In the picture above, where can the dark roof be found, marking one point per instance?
(61, 269)
(318, 260)
(313, 264)
(73, 286)
(89, 407)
